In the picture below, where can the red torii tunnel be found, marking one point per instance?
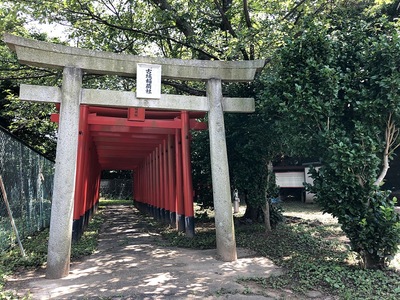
(154, 144)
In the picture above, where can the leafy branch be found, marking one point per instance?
(87, 12)
(391, 141)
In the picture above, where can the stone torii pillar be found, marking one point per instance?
(62, 207)
(225, 232)
(74, 62)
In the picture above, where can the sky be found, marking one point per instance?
(52, 30)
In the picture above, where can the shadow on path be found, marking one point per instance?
(132, 264)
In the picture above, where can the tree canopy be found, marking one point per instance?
(212, 29)
(330, 89)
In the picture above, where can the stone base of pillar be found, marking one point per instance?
(180, 221)
(166, 218)
(189, 227)
(77, 229)
(80, 225)
(172, 219)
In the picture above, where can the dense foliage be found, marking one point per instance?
(337, 87)
(30, 122)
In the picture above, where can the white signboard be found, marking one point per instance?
(290, 179)
(148, 81)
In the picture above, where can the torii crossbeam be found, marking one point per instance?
(74, 62)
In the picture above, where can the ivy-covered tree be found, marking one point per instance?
(336, 86)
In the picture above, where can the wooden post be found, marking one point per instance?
(171, 181)
(158, 184)
(3, 192)
(180, 212)
(80, 191)
(187, 176)
(165, 182)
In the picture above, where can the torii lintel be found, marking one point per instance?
(43, 54)
(128, 99)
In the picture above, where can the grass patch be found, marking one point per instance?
(87, 244)
(203, 240)
(314, 263)
(107, 202)
(311, 249)
(35, 247)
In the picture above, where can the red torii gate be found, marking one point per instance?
(154, 144)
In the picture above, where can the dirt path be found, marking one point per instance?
(132, 264)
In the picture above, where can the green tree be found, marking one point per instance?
(30, 122)
(337, 84)
(212, 29)
(252, 146)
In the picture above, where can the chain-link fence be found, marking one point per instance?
(28, 181)
(116, 188)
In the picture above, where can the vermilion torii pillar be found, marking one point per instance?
(75, 62)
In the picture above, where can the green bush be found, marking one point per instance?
(344, 187)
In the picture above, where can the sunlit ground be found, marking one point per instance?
(311, 212)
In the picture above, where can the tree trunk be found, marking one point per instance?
(391, 136)
(372, 261)
(251, 212)
(267, 220)
(265, 207)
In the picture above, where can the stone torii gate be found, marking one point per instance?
(74, 62)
